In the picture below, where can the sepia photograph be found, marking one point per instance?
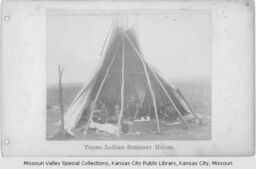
(128, 75)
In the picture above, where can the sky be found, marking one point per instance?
(176, 42)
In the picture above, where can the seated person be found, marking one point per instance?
(132, 104)
(169, 113)
(160, 109)
(104, 113)
(100, 115)
(115, 115)
(147, 104)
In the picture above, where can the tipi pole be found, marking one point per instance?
(149, 82)
(122, 91)
(173, 104)
(187, 103)
(101, 85)
(161, 76)
(185, 100)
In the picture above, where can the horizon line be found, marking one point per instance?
(173, 78)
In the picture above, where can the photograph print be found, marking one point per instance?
(128, 75)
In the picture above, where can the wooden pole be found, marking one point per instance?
(173, 104)
(61, 69)
(187, 103)
(122, 91)
(148, 80)
(181, 95)
(101, 85)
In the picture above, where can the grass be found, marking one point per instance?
(197, 91)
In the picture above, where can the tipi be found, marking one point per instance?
(123, 67)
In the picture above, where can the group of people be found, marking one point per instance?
(167, 112)
(107, 111)
(164, 108)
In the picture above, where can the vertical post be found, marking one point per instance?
(61, 69)
(148, 80)
(122, 91)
